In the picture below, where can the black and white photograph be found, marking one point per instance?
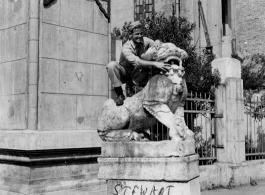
(132, 97)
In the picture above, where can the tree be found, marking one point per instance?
(253, 72)
(177, 30)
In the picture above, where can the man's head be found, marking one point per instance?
(136, 32)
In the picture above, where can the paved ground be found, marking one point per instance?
(244, 190)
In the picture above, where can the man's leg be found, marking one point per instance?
(117, 76)
(129, 83)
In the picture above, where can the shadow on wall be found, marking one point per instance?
(49, 3)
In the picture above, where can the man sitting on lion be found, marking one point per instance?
(130, 59)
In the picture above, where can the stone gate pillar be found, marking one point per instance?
(230, 103)
(230, 129)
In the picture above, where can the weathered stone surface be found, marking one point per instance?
(167, 169)
(98, 49)
(220, 174)
(13, 77)
(249, 28)
(56, 139)
(69, 48)
(235, 151)
(13, 112)
(120, 116)
(58, 111)
(234, 88)
(49, 171)
(74, 51)
(235, 120)
(50, 41)
(145, 187)
(13, 13)
(147, 149)
(92, 48)
(82, 78)
(99, 85)
(228, 67)
(23, 58)
(230, 103)
(50, 75)
(13, 43)
(51, 15)
(100, 21)
(60, 179)
(87, 111)
(70, 14)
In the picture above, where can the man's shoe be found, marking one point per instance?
(129, 91)
(120, 100)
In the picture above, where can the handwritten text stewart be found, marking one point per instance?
(120, 189)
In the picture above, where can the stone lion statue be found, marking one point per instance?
(162, 99)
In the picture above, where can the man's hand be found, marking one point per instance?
(161, 66)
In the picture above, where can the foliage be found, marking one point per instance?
(202, 147)
(177, 30)
(256, 108)
(258, 146)
(250, 146)
(253, 72)
(261, 140)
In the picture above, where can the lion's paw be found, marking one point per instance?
(135, 136)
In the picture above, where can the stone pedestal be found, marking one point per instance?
(141, 168)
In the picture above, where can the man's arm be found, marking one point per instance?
(136, 61)
(148, 42)
(159, 65)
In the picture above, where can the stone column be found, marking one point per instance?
(33, 54)
(150, 168)
(230, 103)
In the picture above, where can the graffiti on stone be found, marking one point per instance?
(123, 189)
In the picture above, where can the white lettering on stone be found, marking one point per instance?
(123, 189)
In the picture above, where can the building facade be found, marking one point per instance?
(250, 26)
(53, 84)
(130, 10)
(234, 26)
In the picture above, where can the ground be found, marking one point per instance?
(244, 190)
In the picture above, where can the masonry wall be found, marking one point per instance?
(73, 77)
(53, 84)
(121, 11)
(186, 9)
(250, 26)
(164, 6)
(13, 64)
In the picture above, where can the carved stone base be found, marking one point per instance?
(181, 169)
(149, 168)
(148, 149)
